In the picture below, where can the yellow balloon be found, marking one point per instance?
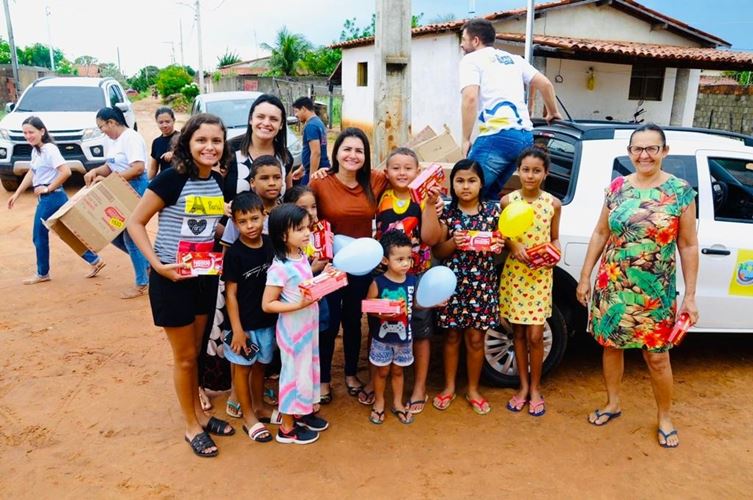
(515, 219)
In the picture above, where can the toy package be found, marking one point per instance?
(322, 240)
(326, 283)
(479, 241)
(199, 258)
(382, 306)
(427, 179)
(544, 254)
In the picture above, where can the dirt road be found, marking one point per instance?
(87, 409)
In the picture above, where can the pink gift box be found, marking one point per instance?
(382, 306)
(544, 254)
(327, 282)
(322, 239)
(479, 241)
(427, 179)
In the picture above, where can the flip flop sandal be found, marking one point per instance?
(533, 408)
(368, 398)
(516, 404)
(416, 403)
(441, 402)
(275, 419)
(478, 405)
(354, 390)
(201, 442)
(404, 416)
(134, 292)
(599, 414)
(258, 432)
(666, 436)
(217, 427)
(233, 409)
(379, 419)
(269, 397)
(95, 269)
(326, 399)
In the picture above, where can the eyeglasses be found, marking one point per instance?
(651, 150)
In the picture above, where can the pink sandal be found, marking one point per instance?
(516, 404)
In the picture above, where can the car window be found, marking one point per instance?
(684, 167)
(113, 96)
(561, 153)
(732, 189)
(118, 93)
(37, 99)
(234, 112)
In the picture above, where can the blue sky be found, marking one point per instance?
(147, 31)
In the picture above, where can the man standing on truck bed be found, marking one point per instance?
(492, 84)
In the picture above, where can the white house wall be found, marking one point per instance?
(601, 23)
(358, 102)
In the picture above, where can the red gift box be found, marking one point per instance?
(427, 179)
(682, 325)
(200, 263)
(327, 282)
(200, 259)
(382, 306)
(322, 240)
(544, 254)
(478, 241)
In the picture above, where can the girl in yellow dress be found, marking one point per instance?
(525, 290)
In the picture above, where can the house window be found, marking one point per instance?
(646, 83)
(362, 74)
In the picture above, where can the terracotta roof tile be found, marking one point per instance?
(639, 50)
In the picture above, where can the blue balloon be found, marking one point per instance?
(341, 241)
(436, 286)
(360, 257)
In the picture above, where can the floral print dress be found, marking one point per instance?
(474, 303)
(634, 300)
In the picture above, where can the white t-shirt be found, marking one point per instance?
(502, 78)
(45, 164)
(126, 149)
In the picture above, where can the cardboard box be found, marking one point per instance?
(200, 263)
(327, 282)
(95, 215)
(427, 179)
(441, 148)
(544, 254)
(322, 240)
(382, 306)
(480, 241)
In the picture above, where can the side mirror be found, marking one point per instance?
(292, 120)
(123, 106)
(10, 106)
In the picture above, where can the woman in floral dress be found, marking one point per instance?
(646, 217)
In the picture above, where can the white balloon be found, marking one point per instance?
(360, 257)
(437, 285)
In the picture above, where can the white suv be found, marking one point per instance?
(585, 158)
(68, 107)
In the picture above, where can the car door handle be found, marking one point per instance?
(715, 251)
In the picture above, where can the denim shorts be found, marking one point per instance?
(382, 354)
(497, 154)
(264, 338)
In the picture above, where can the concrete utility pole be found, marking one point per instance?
(47, 13)
(201, 56)
(180, 27)
(528, 54)
(12, 44)
(391, 78)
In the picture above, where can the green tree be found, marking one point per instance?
(65, 68)
(228, 58)
(85, 60)
(351, 31)
(145, 78)
(39, 55)
(172, 79)
(110, 70)
(287, 52)
(321, 61)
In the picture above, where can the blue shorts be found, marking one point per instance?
(382, 354)
(264, 338)
(497, 154)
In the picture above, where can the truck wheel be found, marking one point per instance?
(500, 368)
(11, 184)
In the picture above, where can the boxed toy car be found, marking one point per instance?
(326, 283)
(322, 240)
(382, 306)
(427, 179)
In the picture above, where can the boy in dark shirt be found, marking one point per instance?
(250, 344)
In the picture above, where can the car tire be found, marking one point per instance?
(500, 368)
(11, 185)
